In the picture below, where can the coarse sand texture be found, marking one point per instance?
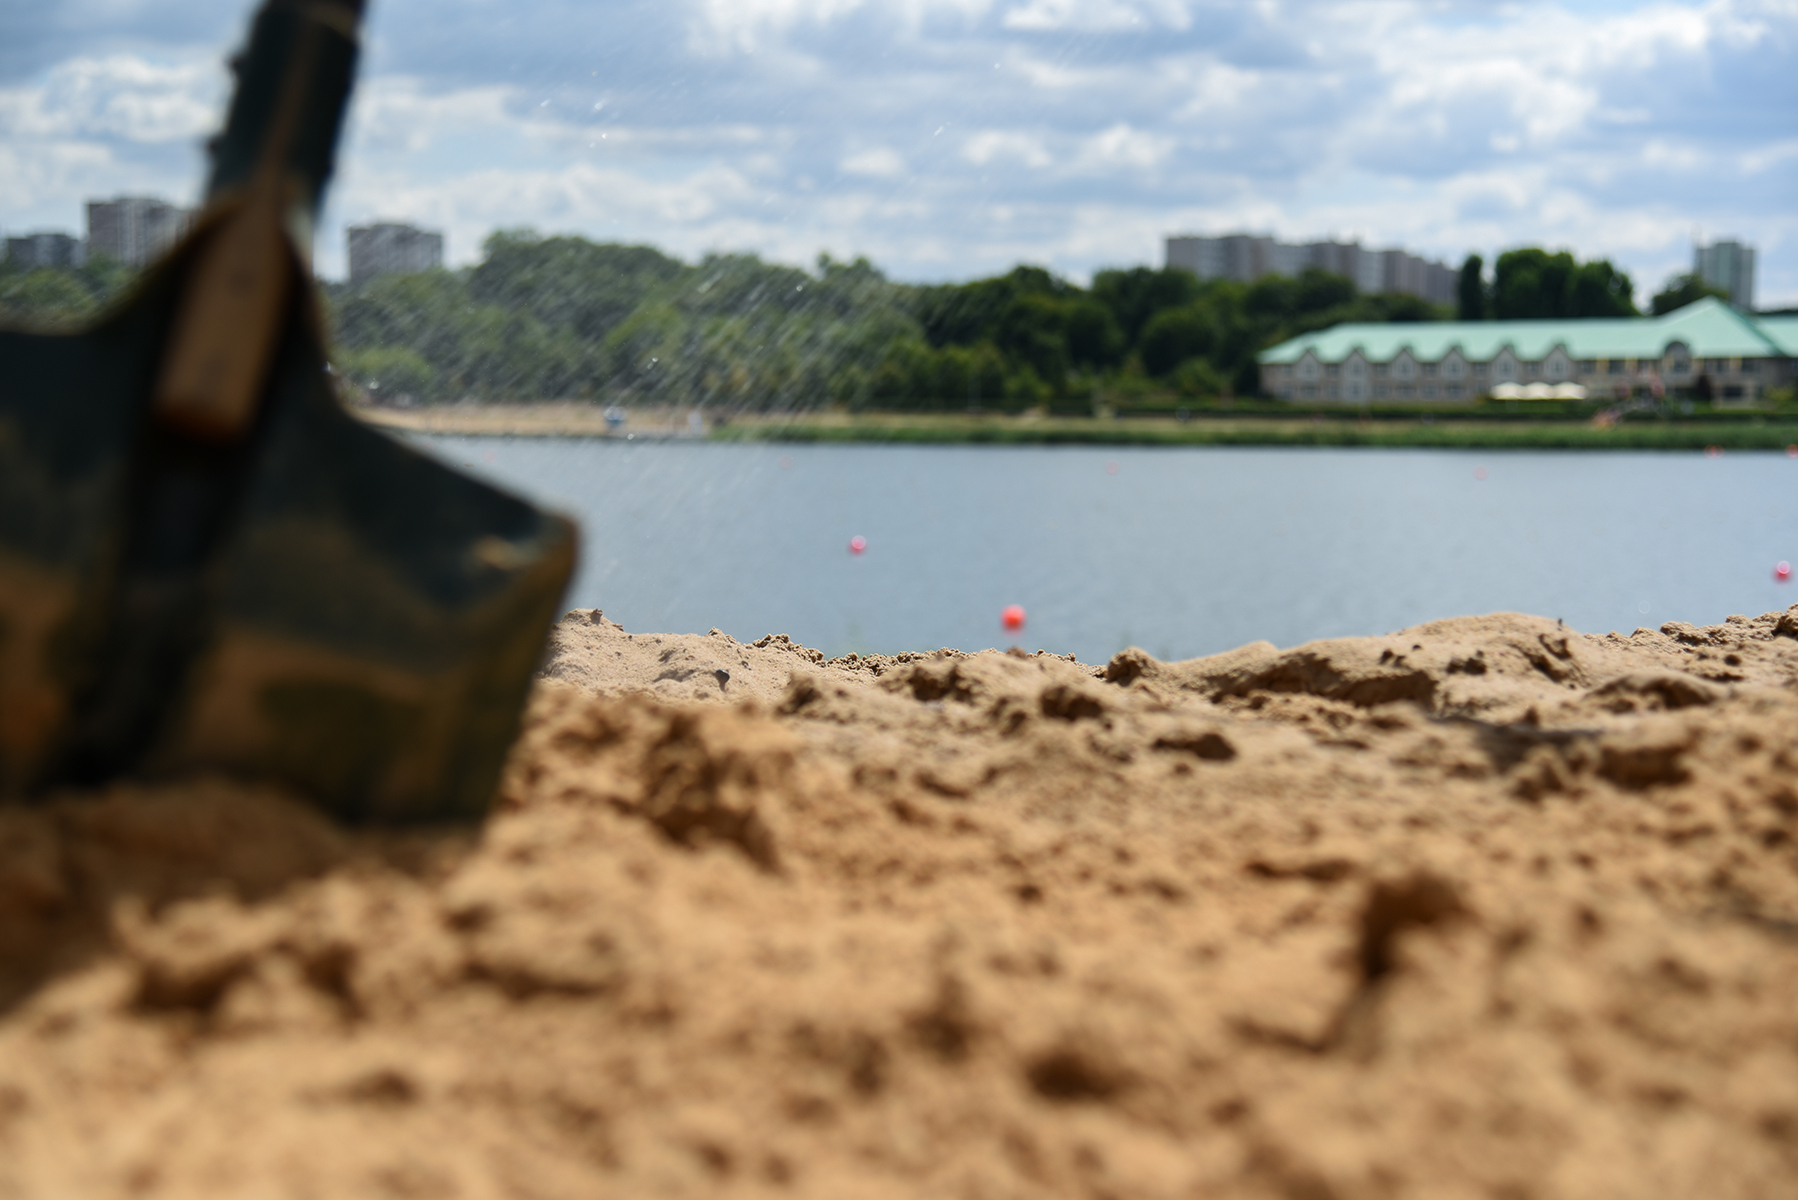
(1487, 908)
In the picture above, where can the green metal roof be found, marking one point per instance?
(1781, 331)
(1709, 328)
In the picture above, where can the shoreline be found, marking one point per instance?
(1759, 431)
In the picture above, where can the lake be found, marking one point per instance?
(1182, 551)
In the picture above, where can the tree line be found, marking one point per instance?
(1530, 283)
(565, 318)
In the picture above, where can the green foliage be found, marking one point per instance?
(1531, 283)
(1470, 290)
(55, 296)
(543, 318)
(1682, 290)
(387, 371)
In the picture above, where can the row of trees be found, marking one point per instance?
(562, 317)
(1532, 283)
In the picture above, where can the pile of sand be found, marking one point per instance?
(1486, 908)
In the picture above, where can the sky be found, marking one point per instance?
(949, 139)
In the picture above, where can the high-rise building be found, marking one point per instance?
(391, 249)
(134, 229)
(43, 250)
(1246, 258)
(1728, 265)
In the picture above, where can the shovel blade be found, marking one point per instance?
(363, 627)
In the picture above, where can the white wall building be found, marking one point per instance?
(1707, 348)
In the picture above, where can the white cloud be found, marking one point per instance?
(1097, 15)
(879, 163)
(120, 96)
(993, 144)
(1122, 146)
(1073, 133)
(1765, 157)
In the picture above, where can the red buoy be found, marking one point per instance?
(857, 544)
(1012, 618)
(1783, 572)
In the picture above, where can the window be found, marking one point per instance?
(1402, 369)
(1310, 393)
(1454, 369)
(1332, 371)
(1381, 392)
(1429, 391)
(1453, 391)
(1479, 370)
(1379, 372)
(1429, 370)
(1614, 367)
(1750, 366)
(1532, 369)
(1588, 366)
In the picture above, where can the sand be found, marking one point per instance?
(1485, 908)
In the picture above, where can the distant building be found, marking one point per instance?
(134, 229)
(1728, 265)
(392, 250)
(1246, 258)
(36, 250)
(1703, 348)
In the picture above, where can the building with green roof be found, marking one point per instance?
(1706, 348)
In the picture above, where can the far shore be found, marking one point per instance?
(1724, 431)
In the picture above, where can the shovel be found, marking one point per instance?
(208, 564)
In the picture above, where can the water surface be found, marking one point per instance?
(1183, 551)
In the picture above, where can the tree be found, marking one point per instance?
(1176, 335)
(1094, 338)
(1470, 294)
(1601, 290)
(1682, 290)
(1532, 284)
(1137, 294)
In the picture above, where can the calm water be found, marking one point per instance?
(1180, 551)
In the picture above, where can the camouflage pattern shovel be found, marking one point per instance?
(206, 563)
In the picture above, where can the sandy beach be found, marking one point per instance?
(1484, 908)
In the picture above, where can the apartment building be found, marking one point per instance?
(134, 229)
(35, 250)
(1728, 265)
(392, 249)
(1703, 346)
(1246, 257)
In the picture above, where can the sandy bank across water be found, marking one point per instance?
(1483, 908)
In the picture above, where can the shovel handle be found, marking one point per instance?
(268, 174)
(293, 84)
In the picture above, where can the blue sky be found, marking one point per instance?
(946, 139)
